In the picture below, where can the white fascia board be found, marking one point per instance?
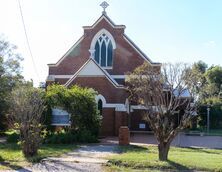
(61, 76)
(138, 50)
(69, 76)
(83, 71)
(118, 76)
(138, 107)
(67, 53)
(118, 106)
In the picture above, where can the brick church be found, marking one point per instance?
(100, 59)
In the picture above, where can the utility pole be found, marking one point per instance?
(208, 119)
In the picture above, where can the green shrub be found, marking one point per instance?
(13, 138)
(69, 138)
(86, 136)
(80, 104)
(215, 113)
(60, 138)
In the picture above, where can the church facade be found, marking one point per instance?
(101, 59)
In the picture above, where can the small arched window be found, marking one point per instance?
(104, 51)
(100, 106)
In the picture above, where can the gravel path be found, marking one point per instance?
(88, 158)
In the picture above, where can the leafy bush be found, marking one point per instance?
(68, 137)
(60, 138)
(26, 108)
(80, 103)
(215, 113)
(47, 118)
(85, 136)
(12, 136)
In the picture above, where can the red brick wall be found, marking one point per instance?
(104, 87)
(125, 57)
(108, 122)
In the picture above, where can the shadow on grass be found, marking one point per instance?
(131, 148)
(11, 166)
(10, 146)
(202, 150)
(178, 166)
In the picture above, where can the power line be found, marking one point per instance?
(27, 41)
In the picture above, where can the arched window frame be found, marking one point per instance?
(94, 41)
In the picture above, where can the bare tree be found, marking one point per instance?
(163, 94)
(27, 105)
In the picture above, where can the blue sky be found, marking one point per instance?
(166, 30)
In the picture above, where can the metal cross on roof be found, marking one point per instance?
(104, 5)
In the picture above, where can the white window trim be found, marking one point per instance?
(96, 37)
(107, 67)
(93, 44)
(118, 106)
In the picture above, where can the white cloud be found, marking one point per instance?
(210, 44)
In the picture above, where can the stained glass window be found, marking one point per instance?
(104, 51)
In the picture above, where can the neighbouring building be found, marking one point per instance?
(100, 59)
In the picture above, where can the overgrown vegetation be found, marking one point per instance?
(26, 108)
(209, 89)
(80, 104)
(67, 137)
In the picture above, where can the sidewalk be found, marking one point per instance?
(181, 140)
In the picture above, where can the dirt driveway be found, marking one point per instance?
(88, 158)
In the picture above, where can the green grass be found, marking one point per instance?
(135, 157)
(11, 156)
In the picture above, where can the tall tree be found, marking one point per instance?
(214, 77)
(163, 94)
(200, 66)
(10, 74)
(197, 73)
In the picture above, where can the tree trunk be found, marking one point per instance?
(163, 151)
(29, 149)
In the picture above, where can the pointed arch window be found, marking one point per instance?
(104, 51)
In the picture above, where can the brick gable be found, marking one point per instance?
(103, 87)
(125, 57)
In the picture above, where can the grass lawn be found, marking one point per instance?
(212, 132)
(135, 157)
(11, 156)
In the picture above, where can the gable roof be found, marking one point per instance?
(67, 53)
(91, 68)
(141, 53)
(104, 16)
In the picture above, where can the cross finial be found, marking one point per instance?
(104, 5)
